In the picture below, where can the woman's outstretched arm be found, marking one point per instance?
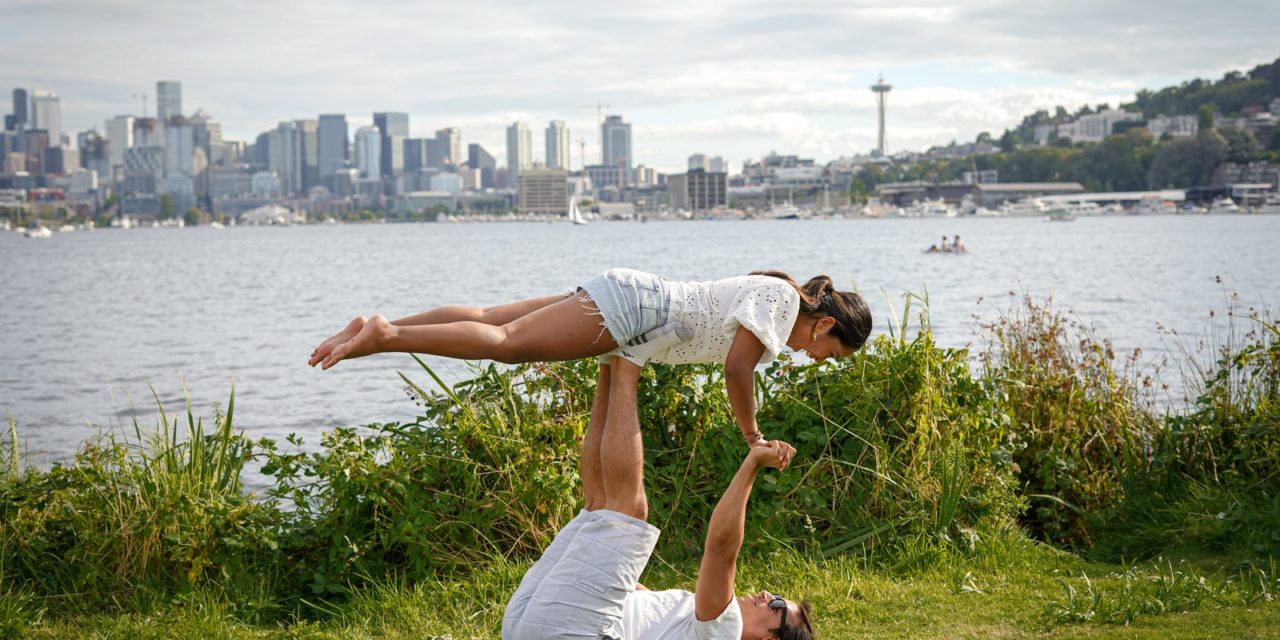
(740, 383)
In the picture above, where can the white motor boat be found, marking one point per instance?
(1150, 206)
(38, 233)
(932, 209)
(1024, 208)
(1224, 205)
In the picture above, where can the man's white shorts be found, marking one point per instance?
(577, 588)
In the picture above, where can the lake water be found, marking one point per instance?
(92, 319)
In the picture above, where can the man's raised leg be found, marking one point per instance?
(592, 480)
(621, 447)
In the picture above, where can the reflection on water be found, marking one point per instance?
(93, 318)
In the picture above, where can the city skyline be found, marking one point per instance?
(792, 79)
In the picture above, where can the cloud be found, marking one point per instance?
(791, 76)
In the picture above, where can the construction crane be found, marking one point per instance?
(599, 107)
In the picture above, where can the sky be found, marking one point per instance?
(735, 78)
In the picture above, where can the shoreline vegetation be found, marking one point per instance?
(1035, 488)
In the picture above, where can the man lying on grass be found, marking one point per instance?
(585, 584)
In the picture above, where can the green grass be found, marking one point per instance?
(1001, 592)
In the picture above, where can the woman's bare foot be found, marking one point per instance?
(336, 339)
(367, 342)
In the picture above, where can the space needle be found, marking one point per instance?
(880, 88)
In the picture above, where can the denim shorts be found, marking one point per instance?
(630, 302)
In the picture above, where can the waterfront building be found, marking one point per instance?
(168, 100)
(369, 152)
(1176, 126)
(393, 128)
(449, 141)
(699, 161)
(416, 201)
(120, 136)
(332, 148)
(557, 145)
(519, 149)
(46, 113)
(265, 184)
(21, 110)
(604, 176)
(615, 137)
(543, 191)
(225, 182)
(446, 183)
(697, 190)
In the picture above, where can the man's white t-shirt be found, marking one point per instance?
(768, 307)
(669, 615)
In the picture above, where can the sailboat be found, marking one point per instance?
(575, 216)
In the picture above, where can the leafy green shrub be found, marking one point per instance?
(1207, 479)
(163, 513)
(1075, 415)
(489, 469)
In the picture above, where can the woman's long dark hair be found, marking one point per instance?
(819, 297)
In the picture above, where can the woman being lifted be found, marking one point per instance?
(741, 321)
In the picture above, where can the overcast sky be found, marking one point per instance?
(735, 78)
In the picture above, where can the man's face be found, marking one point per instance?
(759, 619)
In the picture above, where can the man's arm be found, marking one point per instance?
(725, 531)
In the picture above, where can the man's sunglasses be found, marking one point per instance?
(778, 602)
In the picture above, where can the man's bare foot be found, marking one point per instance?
(367, 342)
(336, 339)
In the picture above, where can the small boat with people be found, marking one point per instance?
(38, 232)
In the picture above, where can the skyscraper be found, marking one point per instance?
(332, 144)
(21, 109)
(120, 136)
(207, 135)
(168, 100)
(368, 155)
(394, 130)
(179, 145)
(450, 141)
(615, 136)
(46, 113)
(557, 145)
(308, 140)
(482, 161)
(519, 150)
(282, 157)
